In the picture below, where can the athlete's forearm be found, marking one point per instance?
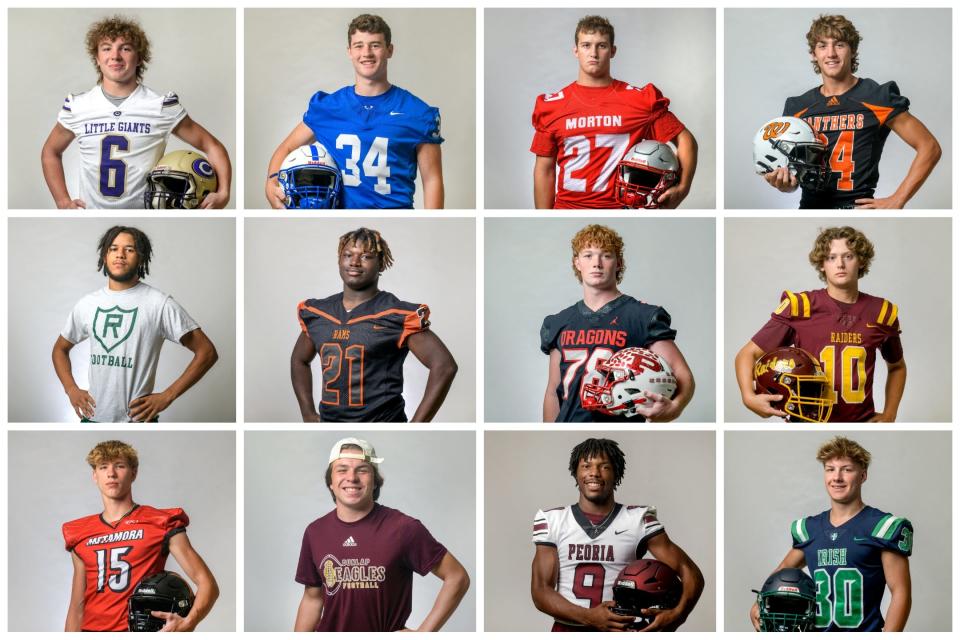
(207, 593)
(928, 154)
(308, 613)
(692, 580)
(52, 163)
(893, 391)
(898, 611)
(433, 192)
(550, 602)
(544, 183)
(438, 385)
(63, 368)
(448, 599)
(220, 161)
(687, 155)
(204, 357)
(302, 378)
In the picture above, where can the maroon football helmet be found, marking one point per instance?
(797, 376)
(645, 584)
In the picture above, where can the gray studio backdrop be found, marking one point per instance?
(293, 53)
(773, 478)
(49, 483)
(194, 55)
(293, 464)
(194, 260)
(671, 470)
(529, 52)
(670, 262)
(288, 261)
(911, 269)
(767, 60)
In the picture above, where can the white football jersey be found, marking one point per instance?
(590, 555)
(119, 145)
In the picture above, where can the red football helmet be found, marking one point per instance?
(797, 376)
(616, 386)
(645, 584)
(647, 170)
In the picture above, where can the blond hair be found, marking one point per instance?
(841, 447)
(111, 450)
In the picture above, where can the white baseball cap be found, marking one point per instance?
(367, 453)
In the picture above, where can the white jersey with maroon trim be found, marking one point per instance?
(591, 555)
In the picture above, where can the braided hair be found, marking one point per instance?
(368, 240)
(140, 240)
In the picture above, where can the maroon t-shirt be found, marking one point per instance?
(365, 568)
(844, 337)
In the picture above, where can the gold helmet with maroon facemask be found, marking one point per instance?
(796, 375)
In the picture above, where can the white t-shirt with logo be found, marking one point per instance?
(126, 331)
(119, 145)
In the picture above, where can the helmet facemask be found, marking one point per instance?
(780, 612)
(171, 190)
(807, 161)
(311, 187)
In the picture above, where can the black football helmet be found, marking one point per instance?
(164, 591)
(645, 584)
(787, 601)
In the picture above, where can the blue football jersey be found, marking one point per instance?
(845, 563)
(374, 141)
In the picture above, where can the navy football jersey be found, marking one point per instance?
(845, 563)
(584, 336)
(374, 140)
(361, 354)
(854, 124)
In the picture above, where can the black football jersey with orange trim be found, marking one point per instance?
(855, 125)
(361, 354)
(584, 336)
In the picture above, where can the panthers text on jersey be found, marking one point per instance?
(845, 563)
(366, 568)
(374, 140)
(119, 145)
(855, 125)
(584, 336)
(361, 354)
(844, 337)
(591, 553)
(589, 129)
(118, 555)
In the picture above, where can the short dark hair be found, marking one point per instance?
(377, 478)
(368, 240)
(593, 24)
(114, 27)
(592, 448)
(369, 23)
(140, 240)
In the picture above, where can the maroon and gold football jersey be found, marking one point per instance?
(844, 337)
(855, 125)
(117, 555)
(361, 354)
(589, 129)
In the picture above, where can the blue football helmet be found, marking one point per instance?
(310, 179)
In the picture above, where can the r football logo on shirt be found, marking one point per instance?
(113, 326)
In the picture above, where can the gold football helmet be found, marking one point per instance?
(181, 180)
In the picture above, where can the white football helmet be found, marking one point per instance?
(181, 180)
(310, 178)
(616, 387)
(647, 170)
(791, 142)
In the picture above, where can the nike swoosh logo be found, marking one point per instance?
(857, 539)
(396, 113)
(616, 533)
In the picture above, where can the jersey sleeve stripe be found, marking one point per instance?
(883, 312)
(886, 527)
(374, 316)
(882, 113)
(806, 305)
(320, 313)
(799, 530)
(893, 315)
(794, 303)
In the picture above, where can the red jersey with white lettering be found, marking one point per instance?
(592, 555)
(589, 129)
(118, 555)
(844, 337)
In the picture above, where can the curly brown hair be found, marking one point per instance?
(856, 241)
(368, 240)
(603, 238)
(114, 27)
(838, 28)
(111, 450)
(841, 447)
(593, 24)
(369, 23)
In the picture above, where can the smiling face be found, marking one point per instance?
(834, 58)
(117, 60)
(843, 479)
(595, 480)
(369, 53)
(359, 267)
(352, 482)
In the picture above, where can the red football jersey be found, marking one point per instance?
(117, 556)
(589, 129)
(844, 337)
